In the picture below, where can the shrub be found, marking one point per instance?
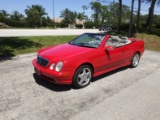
(89, 24)
(13, 23)
(125, 26)
(79, 26)
(63, 25)
(157, 25)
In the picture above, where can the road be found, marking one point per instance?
(42, 32)
(124, 94)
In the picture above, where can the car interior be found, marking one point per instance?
(117, 41)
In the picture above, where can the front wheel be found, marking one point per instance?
(82, 76)
(135, 60)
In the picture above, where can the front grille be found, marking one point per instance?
(42, 61)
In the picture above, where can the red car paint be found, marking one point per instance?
(102, 59)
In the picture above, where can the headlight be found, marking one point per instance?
(52, 66)
(59, 66)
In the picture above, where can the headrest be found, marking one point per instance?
(124, 38)
(115, 38)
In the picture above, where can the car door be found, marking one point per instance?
(109, 58)
(127, 53)
(115, 57)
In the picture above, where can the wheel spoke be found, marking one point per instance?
(81, 81)
(80, 76)
(88, 74)
(84, 71)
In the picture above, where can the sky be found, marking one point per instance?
(60, 5)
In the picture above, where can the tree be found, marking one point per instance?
(68, 16)
(81, 16)
(65, 15)
(151, 12)
(120, 14)
(16, 16)
(119, 11)
(131, 18)
(34, 15)
(97, 8)
(84, 7)
(73, 17)
(138, 14)
(4, 14)
(46, 21)
(113, 14)
(105, 14)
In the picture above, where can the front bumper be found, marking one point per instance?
(52, 75)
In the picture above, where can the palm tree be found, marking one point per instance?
(138, 15)
(150, 14)
(3, 13)
(16, 16)
(80, 16)
(97, 8)
(131, 18)
(34, 15)
(73, 17)
(105, 14)
(120, 14)
(65, 15)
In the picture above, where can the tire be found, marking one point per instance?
(82, 76)
(135, 60)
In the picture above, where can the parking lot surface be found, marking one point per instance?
(124, 94)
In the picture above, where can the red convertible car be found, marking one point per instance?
(87, 56)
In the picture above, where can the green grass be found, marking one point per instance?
(12, 46)
(152, 42)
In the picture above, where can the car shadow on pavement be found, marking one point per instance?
(51, 86)
(61, 88)
(109, 73)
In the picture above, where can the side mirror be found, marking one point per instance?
(108, 48)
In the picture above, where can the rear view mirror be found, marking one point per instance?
(109, 48)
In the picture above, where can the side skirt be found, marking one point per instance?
(111, 69)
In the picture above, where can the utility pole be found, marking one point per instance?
(54, 15)
(131, 18)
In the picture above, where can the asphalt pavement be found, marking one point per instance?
(124, 94)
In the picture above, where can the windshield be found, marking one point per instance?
(88, 40)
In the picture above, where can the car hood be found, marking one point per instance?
(63, 51)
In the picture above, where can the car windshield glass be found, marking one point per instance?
(88, 40)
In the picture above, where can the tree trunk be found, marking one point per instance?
(138, 15)
(131, 17)
(150, 15)
(120, 14)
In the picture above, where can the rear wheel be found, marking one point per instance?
(135, 60)
(82, 76)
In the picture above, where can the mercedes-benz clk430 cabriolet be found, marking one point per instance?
(87, 56)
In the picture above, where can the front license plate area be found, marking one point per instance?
(36, 71)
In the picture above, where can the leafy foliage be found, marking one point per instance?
(34, 15)
(114, 14)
